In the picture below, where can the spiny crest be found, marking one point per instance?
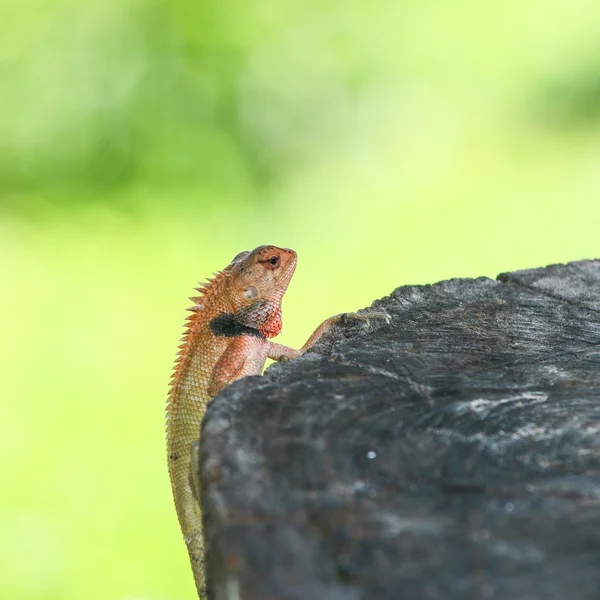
(212, 284)
(208, 289)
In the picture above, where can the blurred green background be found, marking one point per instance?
(143, 144)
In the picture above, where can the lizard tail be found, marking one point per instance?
(195, 546)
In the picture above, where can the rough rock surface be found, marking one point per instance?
(454, 454)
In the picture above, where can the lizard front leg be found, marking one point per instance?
(279, 352)
(245, 355)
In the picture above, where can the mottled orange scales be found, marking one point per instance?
(226, 338)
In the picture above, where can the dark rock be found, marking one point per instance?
(454, 454)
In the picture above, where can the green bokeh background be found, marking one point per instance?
(143, 144)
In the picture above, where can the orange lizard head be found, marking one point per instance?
(256, 284)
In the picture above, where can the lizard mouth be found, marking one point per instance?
(287, 271)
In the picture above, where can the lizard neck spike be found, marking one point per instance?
(212, 285)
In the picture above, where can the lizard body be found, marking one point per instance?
(227, 337)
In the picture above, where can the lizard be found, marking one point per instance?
(227, 337)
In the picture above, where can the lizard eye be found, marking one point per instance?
(272, 262)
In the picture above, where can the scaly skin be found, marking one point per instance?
(226, 338)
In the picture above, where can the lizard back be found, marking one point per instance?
(188, 399)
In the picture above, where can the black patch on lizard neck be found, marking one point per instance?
(226, 325)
